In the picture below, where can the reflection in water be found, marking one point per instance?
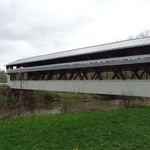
(49, 110)
(78, 106)
(82, 106)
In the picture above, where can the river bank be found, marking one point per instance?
(16, 103)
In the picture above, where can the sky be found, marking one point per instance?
(36, 27)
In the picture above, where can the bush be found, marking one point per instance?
(4, 89)
(5, 95)
(48, 95)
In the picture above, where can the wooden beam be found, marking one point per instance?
(135, 70)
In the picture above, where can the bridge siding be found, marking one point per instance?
(112, 87)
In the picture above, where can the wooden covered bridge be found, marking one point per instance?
(118, 68)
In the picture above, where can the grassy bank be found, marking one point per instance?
(119, 130)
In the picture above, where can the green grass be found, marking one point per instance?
(127, 129)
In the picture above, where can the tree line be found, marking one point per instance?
(3, 76)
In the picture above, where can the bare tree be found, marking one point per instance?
(130, 37)
(142, 34)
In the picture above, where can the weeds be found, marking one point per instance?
(19, 102)
(78, 105)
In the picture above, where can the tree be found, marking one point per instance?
(3, 76)
(142, 34)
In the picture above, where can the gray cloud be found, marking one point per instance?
(39, 28)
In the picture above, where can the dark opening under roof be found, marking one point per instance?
(84, 64)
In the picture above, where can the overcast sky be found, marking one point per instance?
(34, 27)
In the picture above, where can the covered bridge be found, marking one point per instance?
(118, 68)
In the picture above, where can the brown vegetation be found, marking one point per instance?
(22, 102)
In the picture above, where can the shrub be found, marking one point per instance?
(48, 95)
(4, 89)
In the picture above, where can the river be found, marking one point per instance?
(54, 108)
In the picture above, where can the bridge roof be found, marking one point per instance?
(90, 63)
(87, 50)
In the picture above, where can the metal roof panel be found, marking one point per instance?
(87, 50)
